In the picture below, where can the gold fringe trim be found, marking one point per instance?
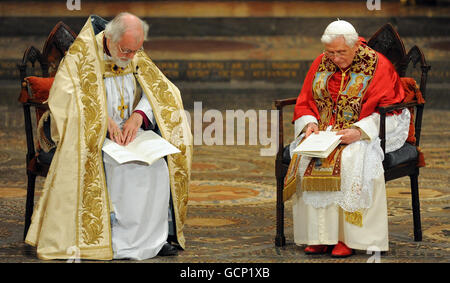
(289, 189)
(328, 184)
(290, 180)
(354, 218)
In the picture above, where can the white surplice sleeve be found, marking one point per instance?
(301, 122)
(397, 128)
(299, 127)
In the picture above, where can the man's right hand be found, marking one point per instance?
(311, 128)
(115, 134)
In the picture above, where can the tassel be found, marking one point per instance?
(412, 130)
(421, 158)
(23, 93)
(354, 218)
(412, 92)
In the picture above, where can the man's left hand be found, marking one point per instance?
(131, 127)
(349, 135)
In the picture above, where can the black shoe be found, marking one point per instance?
(168, 250)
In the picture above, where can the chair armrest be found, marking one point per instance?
(280, 103)
(38, 104)
(398, 106)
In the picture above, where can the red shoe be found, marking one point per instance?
(316, 249)
(341, 250)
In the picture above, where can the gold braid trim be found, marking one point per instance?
(348, 104)
(170, 121)
(91, 195)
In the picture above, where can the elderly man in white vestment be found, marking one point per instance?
(340, 201)
(107, 86)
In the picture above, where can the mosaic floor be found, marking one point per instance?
(231, 215)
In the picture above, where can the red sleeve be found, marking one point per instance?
(145, 120)
(385, 88)
(305, 102)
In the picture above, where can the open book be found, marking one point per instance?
(146, 148)
(319, 145)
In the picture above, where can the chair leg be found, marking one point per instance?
(416, 207)
(29, 202)
(280, 239)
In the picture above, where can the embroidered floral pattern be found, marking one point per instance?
(91, 188)
(171, 123)
(348, 104)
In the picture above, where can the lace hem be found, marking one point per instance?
(397, 130)
(357, 177)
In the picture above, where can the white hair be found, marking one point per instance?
(115, 29)
(340, 28)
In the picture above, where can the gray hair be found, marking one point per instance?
(340, 28)
(115, 29)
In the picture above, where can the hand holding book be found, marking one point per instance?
(319, 145)
(311, 128)
(349, 135)
(322, 143)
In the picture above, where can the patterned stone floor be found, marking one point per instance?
(231, 215)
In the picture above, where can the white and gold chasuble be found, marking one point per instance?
(73, 212)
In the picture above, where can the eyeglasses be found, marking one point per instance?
(128, 51)
(331, 54)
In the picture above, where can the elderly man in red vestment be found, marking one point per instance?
(341, 92)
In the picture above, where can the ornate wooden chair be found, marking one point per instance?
(36, 72)
(405, 161)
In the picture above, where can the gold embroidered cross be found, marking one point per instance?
(122, 107)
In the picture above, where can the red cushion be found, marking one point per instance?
(40, 87)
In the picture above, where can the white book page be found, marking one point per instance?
(318, 142)
(147, 147)
(120, 153)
